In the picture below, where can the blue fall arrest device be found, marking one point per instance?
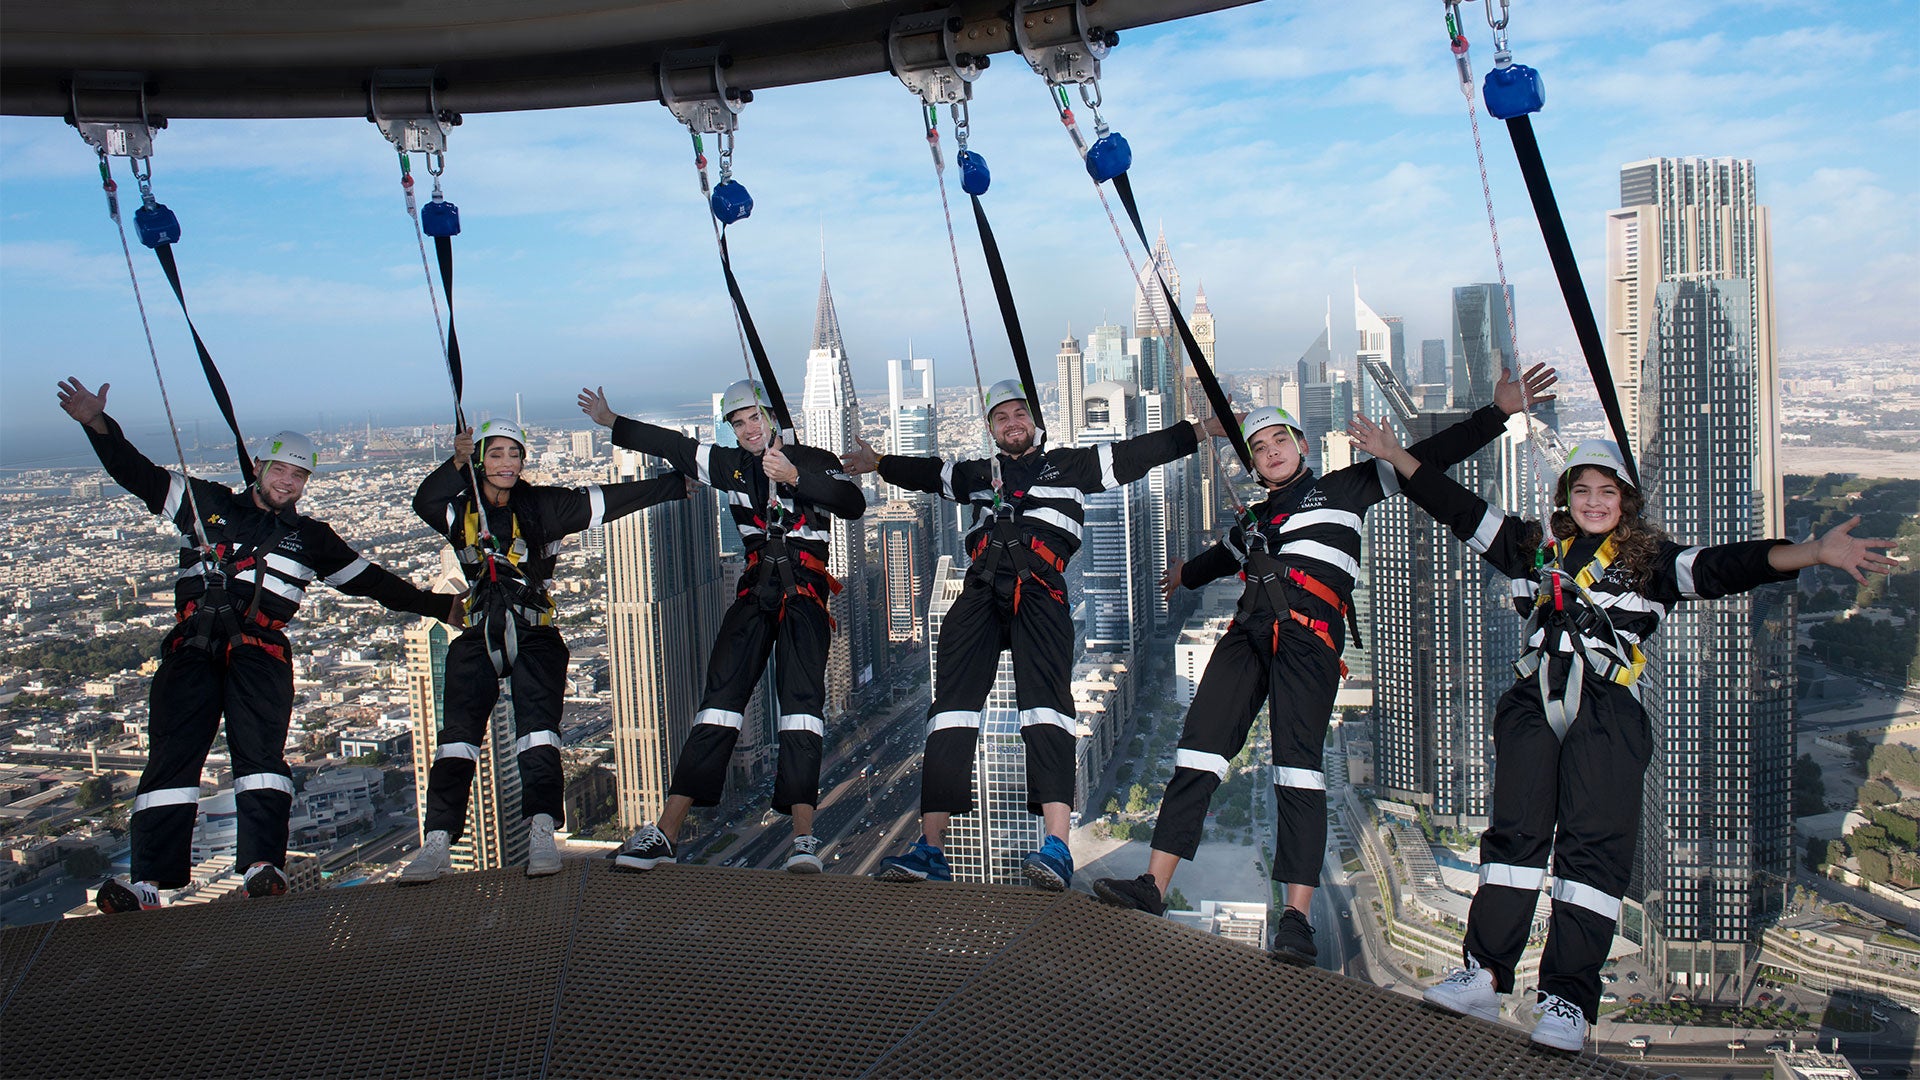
(156, 224)
(1108, 157)
(1513, 89)
(440, 218)
(974, 177)
(731, 201)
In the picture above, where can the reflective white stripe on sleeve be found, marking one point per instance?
(1032, 717)
(739, 498)
(1070, 494)
(1202, 761)
(1389, 479)
(286, 567)
(1629, 601)
(262, 781)
(467, 750)
(953, 719)
(1332, 556)
(1054, 518)
(1308, 518)
(803, 722)
(1108, 481)
(1683, 572)
(1306, 779)
(341, 576)
(1523, 588)
(597, 499)
(1482, 537)
(284, 589)
(536, 738)
(946, 480)
(172, 796)
(703, 461)
(176, 492)
(720, 718)
(1580, 894)
(1512, 877)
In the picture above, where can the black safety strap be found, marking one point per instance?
(1222, 405)
(778, 400)
(1008, 314)
(1527, 150)
(214, 381)
(443, 248)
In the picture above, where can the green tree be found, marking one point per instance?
(1136, 799)
(1809, 787)
(1177, 900)
(85, 863)
(1875, 866)
(93, 791)
(1877, 793)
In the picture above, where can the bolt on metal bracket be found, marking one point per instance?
(405, 106)
(693, 86)
(109, 109)
(1058, 43)
(924, 52)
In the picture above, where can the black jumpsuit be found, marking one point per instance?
(1283, 648)
(1015, 597)
(229, 655)
(1574, 794)
(509, 633)
(780, 609)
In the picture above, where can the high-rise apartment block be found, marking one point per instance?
(1073, 394)
(906, 565)
(1118, 554)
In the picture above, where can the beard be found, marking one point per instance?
(1016, 443)
(268, 500)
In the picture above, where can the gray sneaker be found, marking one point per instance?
(430, 863)
(543, 858)
(1467, 990)
(806, 856)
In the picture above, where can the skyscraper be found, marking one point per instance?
(1151, 315)
(906, 567)
(1482, 340)
(1073, 393)
(1695, 218)
(1433, 362)
(910, 412)
(1117, 559)
(832, 414)
(495, 836)
(1201, 323)
(665, 597)
(1717, 850)
(988, 844)
(1107, 358)
(1397, 346)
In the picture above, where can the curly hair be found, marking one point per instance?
(1636, 538)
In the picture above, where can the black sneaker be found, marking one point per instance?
(1140, 894)
(264, 879)
(115, 896)
(1293, 940)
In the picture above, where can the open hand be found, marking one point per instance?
(86, 406)
(1170, 581)
(1531, 390)
(1839, 548)
(861, 459)
(594, 404)
(463, 447)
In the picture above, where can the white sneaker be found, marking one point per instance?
(1466, 990)
(430, 863)
(543, 858)
(806, 855)
(1562, 1025)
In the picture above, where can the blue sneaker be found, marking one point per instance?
(1050, 868)
(922, 862)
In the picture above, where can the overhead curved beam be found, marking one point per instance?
(219, 59)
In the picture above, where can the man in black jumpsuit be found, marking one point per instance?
(780, 497)
(228, 654)
(1299, 555)
(508, 555)
(1029, 506)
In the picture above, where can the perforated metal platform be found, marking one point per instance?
(698, 972)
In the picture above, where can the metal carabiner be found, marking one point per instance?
(726, 156)
(961, 124)
(143, 175)
(1090, 95)
(1498, 26)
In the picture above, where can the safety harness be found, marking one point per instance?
(1003, 539)
(499, 595)
(1262, 568)
(1581, 630)
(775, 582)
(212, 618)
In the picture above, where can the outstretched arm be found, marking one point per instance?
(159, 489)
(1838, 548)
(1453, 445)
(822, 482)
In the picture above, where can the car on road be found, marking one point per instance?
(1609, 998)
(1736, 1044)
(1638, 1042)
(1878, 1013)
(1636, 999)
(1346, 913)
(1609, 977)
(1633, 976)
(1763, 999)
(1776, 1047)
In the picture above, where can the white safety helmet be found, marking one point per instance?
(1268, 416)
(745, 394)
(500, 428)
(293, 448)
(1007, 390)
(1604, 453)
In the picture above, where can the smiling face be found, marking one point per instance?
(280, 485)
(1012, 427)
(1276, 453)
(750, 428)
(501, 462)
(1594, 499)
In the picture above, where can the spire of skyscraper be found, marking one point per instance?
(1200, 300)
(826, 324)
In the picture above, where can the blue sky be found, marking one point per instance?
(1284, 147)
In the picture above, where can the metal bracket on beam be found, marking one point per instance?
(110, 111)
(924, 52)
(405, 105)
(1058, 42)
(693, 86)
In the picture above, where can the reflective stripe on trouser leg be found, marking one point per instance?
(1050, 765)
(1302, 682)
(538, 687)
(967, 660)
(946, 770)
(184, 703)
(1040, 635)
(1228, 698)
(734, 668)
(1519, 836)
(800, 669)
(1578, 937)
(472, 690)
(259, 707)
